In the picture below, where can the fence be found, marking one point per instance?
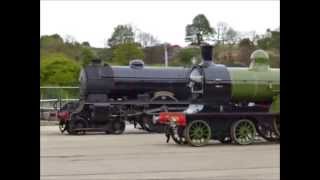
(53, 98)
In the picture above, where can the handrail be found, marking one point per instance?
(53, 100)
(59, 87)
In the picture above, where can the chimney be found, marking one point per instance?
(96, 62)
(207, 54)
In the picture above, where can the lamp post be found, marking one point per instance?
(165, 55)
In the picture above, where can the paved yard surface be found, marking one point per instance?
(139, 155)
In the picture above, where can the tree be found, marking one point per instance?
(246, 43)
(86, 44)
(86, 56)
(58, 69)
(246, 47)
(123, 53)
(154, 54)
(105, 54)
(199, 30)
(268, 33)
(264, 43)
(275, 39)
(222, 28)
(185, 56)
(231, 36)
(53, 42)
(147, 39)
(121, 34)
(270, 41)
(70, 39)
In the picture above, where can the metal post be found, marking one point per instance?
(60, 98)
(165, 55)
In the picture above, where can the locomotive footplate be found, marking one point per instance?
(90, 129)
(83, 130)
(232, 114)
(129, 102)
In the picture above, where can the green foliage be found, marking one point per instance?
(123, 53)
(272, 46)
(61, 59)
(185, 56)
(231, 36)
(58, 69)
(51, 44)
(264, 43)
(121, 34)
(200, 28)
(55, 93)
(275, 43)
(274, 58)
(105, 54)
(86, 56)
(246, 47)
(85, 44)
(272, 42)
(55, 44)
(155, 54)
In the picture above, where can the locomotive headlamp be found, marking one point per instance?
(193, 60)
(173, 119)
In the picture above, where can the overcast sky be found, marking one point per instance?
(94, 21)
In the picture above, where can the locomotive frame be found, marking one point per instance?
(140, 111)
(227, 127)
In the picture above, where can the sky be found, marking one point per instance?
(94, 21)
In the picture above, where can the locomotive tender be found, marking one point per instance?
(228, 104)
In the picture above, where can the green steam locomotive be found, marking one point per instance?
(229, 104)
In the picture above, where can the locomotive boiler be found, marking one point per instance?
(102, 82)
(228, 104)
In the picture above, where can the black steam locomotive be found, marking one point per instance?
(110, 96)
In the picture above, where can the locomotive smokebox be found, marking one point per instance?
(207, 54)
